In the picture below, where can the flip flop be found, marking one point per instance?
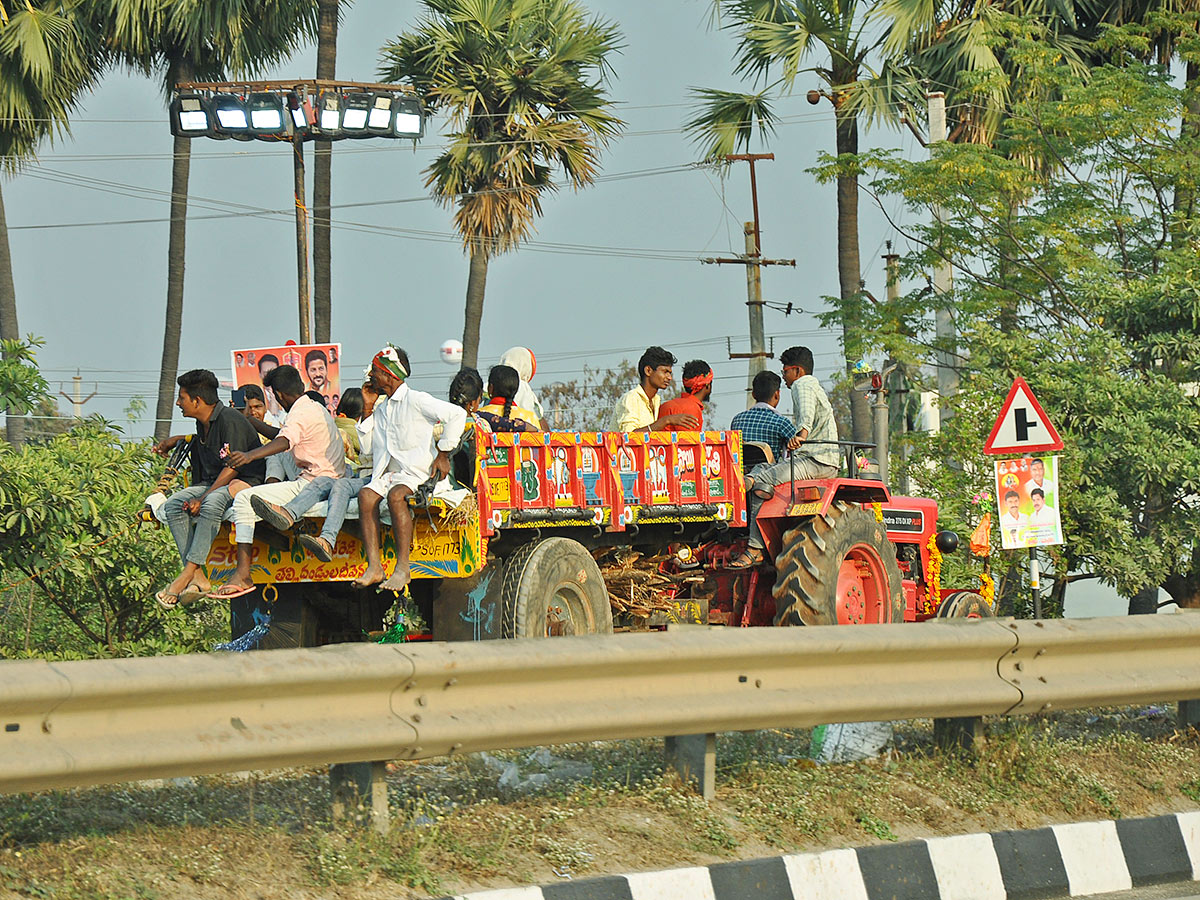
(191, 594)
(316, 547)
(167, 599)
(229, 591)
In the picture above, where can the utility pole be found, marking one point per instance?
(943, 277)
(76, 396)
(753, 261)
(301, 236)
(897, 392)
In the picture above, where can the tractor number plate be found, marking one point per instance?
(805, 509)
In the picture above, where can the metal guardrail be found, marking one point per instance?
(78, 723)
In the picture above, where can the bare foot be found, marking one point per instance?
(398, 582)
(369, 578)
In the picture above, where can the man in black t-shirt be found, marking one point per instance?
(194, 513)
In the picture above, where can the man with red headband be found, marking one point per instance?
(405, 454)
(697, 388)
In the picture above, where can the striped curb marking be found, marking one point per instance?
(1059, 861)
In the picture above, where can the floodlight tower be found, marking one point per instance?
(297, 112)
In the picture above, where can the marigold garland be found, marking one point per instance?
(878, 512)
(934, 577)
(987, 588)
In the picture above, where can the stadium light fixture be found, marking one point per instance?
(300, 111)
(329, 114)
(355, 109)
(409, 118)
(266, 115)
(190, 116)
(379, 119)
(229, 111)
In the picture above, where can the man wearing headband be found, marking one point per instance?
(638, 409)
(697, 388)
(406, 454)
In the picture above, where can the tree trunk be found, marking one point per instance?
(476, 282)
(175, 259)
(9, 330)
(850, 268)
(1144, 602)
(327, 27)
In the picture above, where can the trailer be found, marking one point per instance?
(518, 559)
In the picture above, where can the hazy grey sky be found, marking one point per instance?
(97, 293)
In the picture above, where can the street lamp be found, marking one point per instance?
(190, 116)
(230, 112)
(266, 114)
(410, 118)
(296, 111)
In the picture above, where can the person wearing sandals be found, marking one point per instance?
(407, 453)
(194, 514)
(312, 438)
(812, 418)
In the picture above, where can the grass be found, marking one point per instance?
(459, 825)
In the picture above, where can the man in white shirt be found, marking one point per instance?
(1013, 521)
(1042, 514)
(405, 455)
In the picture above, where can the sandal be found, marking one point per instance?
(747, 559)
(229, 591)
(167, 599)
(318, 547)
(272, 513)
(191, 594)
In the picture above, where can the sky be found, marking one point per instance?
(611, 269)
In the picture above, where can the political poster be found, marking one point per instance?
(319, 365)
(1028, 501)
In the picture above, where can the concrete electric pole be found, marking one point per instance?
(943, 276)
(76, 396)
(753, 261)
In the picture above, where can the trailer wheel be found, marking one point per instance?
(838, 569)
(965, 605)
(553, 588)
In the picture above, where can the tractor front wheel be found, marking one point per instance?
(965, 605)
(838, 569)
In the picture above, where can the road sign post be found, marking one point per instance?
(1024, 428)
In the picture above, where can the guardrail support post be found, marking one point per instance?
(961, 733)
(352, 784)
(1189, 714)
(694, 757)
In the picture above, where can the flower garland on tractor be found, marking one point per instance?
(987, 589)
(934, 577)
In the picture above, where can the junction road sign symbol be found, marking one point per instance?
(1022, 426)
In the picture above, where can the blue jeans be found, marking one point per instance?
(338, 491)
(194, 534)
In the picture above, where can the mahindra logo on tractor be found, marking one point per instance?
(907, 520)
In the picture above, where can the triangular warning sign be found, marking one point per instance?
(1022, 426)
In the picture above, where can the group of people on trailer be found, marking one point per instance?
(388, 442)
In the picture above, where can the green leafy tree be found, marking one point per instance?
(49, 56)
(779, 41)
(586, 404)
(1080, 277)
(522, 82)
(22, 387)
(196, 40)
(76, 569)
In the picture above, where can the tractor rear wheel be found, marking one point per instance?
(965, 605)
(553, 588)
(838, 569)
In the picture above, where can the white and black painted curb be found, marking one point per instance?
(1059, 861)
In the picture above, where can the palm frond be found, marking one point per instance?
(726, 121)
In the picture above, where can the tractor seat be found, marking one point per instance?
(755, 452)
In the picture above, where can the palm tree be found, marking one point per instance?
(522, 82)
(327, 30)
(49, 56)
(196, 40)
(783, 35)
